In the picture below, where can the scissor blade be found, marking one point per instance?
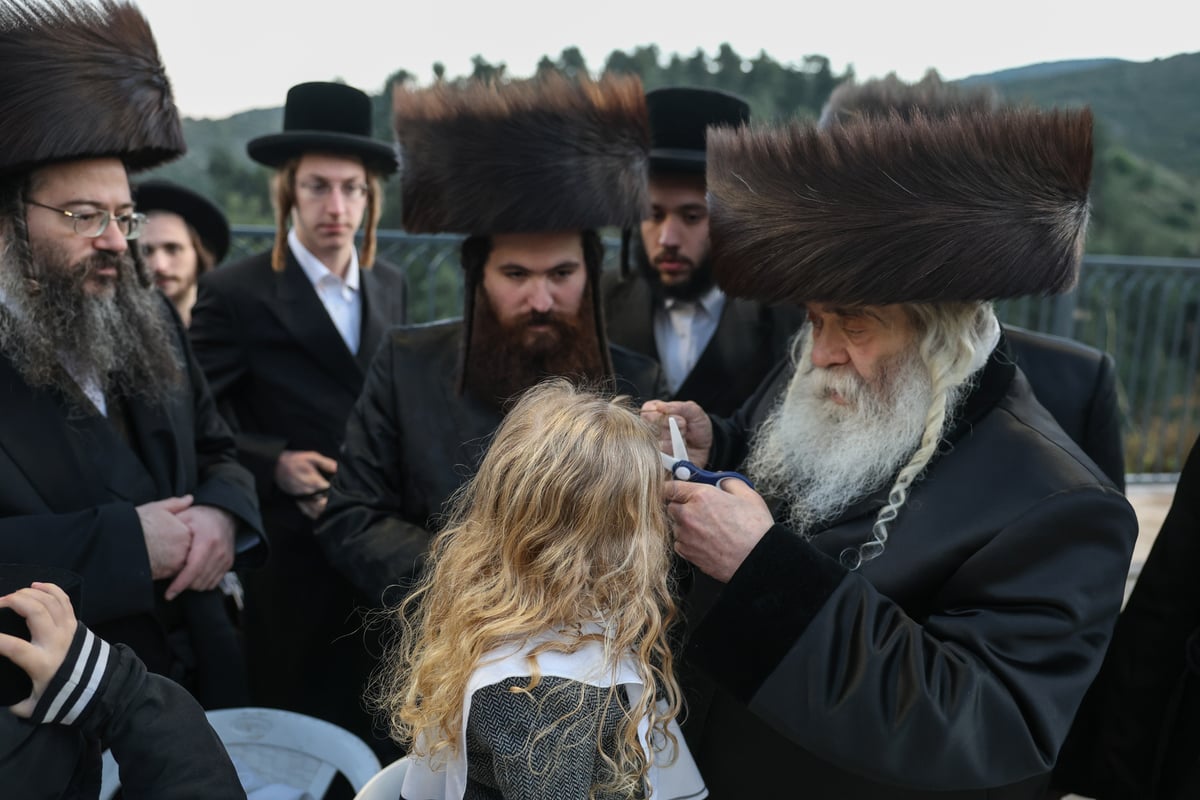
(677, 445)
(668, 462)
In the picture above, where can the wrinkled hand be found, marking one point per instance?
(168, 539)
(716, 527)
(47, 610)
(693, 423)
(211, 554)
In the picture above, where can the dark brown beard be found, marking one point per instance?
(503, 361)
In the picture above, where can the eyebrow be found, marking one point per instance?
(96, 203)
(560, 265)
(856, 313)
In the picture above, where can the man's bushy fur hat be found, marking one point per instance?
(82, 80)
(547, 154)
(967, 208)
(880, 98)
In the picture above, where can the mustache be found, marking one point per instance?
(672, 255)
(551, 318)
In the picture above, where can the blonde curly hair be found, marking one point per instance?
(563, 525)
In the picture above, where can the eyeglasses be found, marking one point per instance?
(321, 189)
(94, 223)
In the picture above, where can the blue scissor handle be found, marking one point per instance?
(687, 471)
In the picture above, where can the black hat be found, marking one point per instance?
(546, 154)
(14, 682)
(82, 80)
(972, 207)
(679, 120)
(325, 118)
(196, 209)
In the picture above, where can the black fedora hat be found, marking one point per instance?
(196, 209)
(325, 118)
(14, 683)
(679, 118)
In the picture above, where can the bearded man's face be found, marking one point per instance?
(853, 414)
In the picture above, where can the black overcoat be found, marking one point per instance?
(952, 665)
(69, 486)
(412, 440)
(750, 339)
(284, 379)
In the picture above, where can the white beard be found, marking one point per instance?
(819, 457)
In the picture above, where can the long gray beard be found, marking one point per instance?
(817, 457)
(49, 322)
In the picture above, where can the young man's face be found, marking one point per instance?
(86, 187)
(675, 234)
(331, 197)
(533, 280)
(167, 249)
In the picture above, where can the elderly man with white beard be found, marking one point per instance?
(919, 598)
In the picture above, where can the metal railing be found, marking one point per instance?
(1144, 311)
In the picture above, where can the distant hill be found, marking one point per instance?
(1046, 69)
(1145, 190)
(1149, 108)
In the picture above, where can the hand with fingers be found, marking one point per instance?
(304, 475)
(693, 423)
(716, 527)
(168, 538)
(51, 619)
(212, 550)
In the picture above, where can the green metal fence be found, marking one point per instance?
(1144, 311)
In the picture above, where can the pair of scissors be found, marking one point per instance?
(682, 469)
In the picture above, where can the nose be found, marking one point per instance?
(541, 297)
(669, 232)
(156, 260)
(112, 239)
(828, 349)
(335, 204)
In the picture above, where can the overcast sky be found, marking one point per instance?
(225, 56)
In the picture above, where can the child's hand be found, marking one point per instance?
(47, 610)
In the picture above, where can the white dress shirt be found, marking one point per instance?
(341, 298)
(682, 329)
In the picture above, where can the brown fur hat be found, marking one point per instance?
(880, 98)
(82, 80)
(973, 207)
(547, 154)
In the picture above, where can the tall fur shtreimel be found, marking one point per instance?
(966, 208)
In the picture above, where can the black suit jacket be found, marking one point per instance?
(1078, 386)
(749, 340)
(284, 379)
(69, 487)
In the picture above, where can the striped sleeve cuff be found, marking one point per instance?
(77, 681)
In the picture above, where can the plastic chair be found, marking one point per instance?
(386, 783)
(282, 747)
(293, 749)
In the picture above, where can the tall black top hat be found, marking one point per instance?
(196, 209)
(325, 118)
(82, 80)
(679, 120)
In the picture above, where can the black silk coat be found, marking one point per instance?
(411, 441)
(952, 665)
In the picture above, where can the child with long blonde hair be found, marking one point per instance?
(534, 659)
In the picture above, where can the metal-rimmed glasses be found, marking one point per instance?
(93, 224)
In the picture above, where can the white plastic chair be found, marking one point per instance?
(282, 747)
(293, 749)
(386, 783)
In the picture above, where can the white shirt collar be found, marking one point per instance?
(708, 301)
(315, 270)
